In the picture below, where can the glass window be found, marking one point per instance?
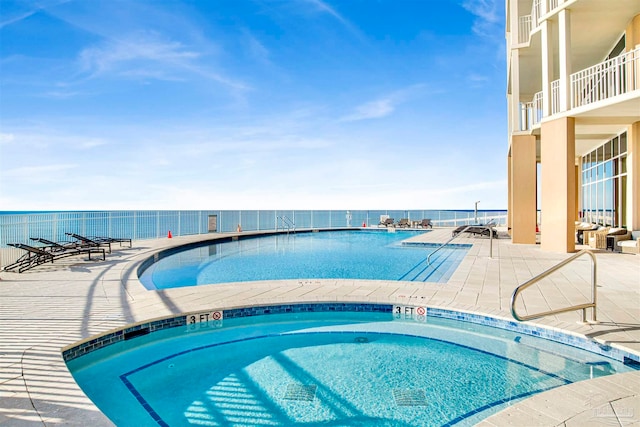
(603, 181)
(608, 169)
(600, 156)
(601, 199)
(607, 151)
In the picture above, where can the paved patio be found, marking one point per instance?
(50, 307)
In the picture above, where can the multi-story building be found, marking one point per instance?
(573, 90)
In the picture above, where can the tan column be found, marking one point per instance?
(509, 201)
(523, 189)
(558, 195)
(633, 176)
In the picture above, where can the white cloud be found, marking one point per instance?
(32, 171)
(324, 7)
(488, 19)
(6, 138)
(145, 46)
(371, 110)
(383, 106)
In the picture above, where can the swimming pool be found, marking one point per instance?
(324, 364)
(354, 254)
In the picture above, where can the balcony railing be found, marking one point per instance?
(555, 96)
(611, 78)
(606, 80)
(531, 112)
(524, 29)
(528, 23)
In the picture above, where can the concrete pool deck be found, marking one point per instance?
(53, 306)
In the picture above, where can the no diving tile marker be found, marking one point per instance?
(407, 312)
(205, 319)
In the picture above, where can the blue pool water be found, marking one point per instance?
(338, 368)
(333, 254)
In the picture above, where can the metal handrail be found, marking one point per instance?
(446, 243)
(488, 227)
(286, 222)
(546, 273)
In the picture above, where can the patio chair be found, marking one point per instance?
(425, 223)
(403, 223)
(54, 246)
(597, 239)
(630, 245)
(481, 230)
(32, 258)
(388, 222)
(581, 228)
(37, 256)
(588, 235)
(119, 240)
(88, 242)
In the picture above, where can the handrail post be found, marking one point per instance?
(490, 241)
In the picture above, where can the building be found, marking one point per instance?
(573, 90)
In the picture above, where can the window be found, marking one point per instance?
(604, 183)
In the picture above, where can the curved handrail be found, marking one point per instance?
(489, 227)
(286, 222)
(546, 273)
(445, 244)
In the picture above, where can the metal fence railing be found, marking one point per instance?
(140, 225)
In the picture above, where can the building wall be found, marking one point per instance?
(564, 135)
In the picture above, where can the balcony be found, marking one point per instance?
(606, 80)
(527, 24)
(603, 81)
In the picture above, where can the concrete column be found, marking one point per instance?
(522, 188)
(515, 113)
(547, 67)
(558, 195)
(632, 33)
(564, 39)
(509, 190)
(633, 176)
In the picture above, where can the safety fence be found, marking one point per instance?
(140, 225)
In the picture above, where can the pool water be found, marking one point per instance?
(338, 368)
(377, 255)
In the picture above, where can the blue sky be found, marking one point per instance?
(252, 104)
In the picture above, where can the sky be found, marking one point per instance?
(252, 104)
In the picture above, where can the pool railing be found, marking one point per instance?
(140, 225)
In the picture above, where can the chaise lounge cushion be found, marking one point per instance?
(617, 231)
(631, 245)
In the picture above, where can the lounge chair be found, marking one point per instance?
(403, 223)
(388, 222)
(631, 245)
(581, 228)
(54, 246)
(425, 223)
(87, 242)
(37, 256)
(475, 230)
(119, 240)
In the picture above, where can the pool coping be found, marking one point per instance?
(617, 390)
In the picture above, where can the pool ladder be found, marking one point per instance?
(287, 223)
(546, 273)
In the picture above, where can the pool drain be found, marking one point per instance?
(410, 397)
(300, 392)
(361, 339)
